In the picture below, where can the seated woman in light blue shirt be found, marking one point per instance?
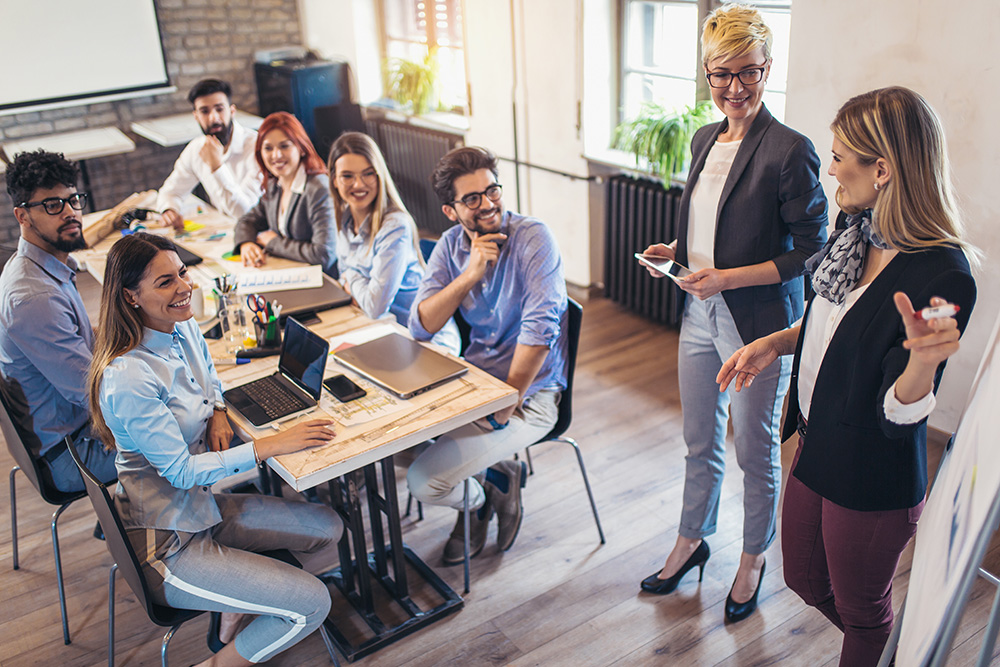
(377, 245)
(160, 402)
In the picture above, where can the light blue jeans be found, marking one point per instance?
(220, 569)
(708, 338)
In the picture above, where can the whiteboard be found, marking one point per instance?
(952, 531)
(62, 51)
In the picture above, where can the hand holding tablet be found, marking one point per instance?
(676, 272)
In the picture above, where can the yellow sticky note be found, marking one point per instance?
(191, 226)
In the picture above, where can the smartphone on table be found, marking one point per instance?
(343, 388)
(668, 267)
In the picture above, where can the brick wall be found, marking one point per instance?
(201, 38)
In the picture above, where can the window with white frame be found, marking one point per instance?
(411, 27)
(660, 54)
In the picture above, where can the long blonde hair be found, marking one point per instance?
(916, 209)
(387, 199)
(120, 327)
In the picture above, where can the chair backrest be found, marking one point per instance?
(26, 460)
(121, 549)
(573, 326)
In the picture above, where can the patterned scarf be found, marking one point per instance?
(837, 267)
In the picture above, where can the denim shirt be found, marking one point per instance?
(46, 344)
(382, 278)
(157, 400)
(521, 299)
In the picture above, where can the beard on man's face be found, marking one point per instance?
(221, 132)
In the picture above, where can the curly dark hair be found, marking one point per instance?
(210, 87)
(37, 170)
(459, 162)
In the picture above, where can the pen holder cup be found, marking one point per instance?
(268, 335)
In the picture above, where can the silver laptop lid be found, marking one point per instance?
(403, 366)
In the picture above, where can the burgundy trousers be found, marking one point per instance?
(842, 562)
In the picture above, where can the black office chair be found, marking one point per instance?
(128, 564)
(574, 325)
(29, 465)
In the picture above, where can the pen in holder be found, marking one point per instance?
(268, 335)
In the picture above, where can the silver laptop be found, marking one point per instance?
(294, 389)
(403, 366)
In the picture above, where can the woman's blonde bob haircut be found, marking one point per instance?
(732, 31)
(916, 209)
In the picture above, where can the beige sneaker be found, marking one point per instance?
(508, 506)
(454, 548)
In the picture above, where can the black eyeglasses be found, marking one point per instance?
(475, 199)
(55, 205)
(747, 77)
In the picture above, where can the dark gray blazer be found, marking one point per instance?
(772, 208)
(312, 236)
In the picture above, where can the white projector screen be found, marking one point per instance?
(65, 52)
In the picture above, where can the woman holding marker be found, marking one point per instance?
(294, 217)
(159, 401)
(866, 365)
(752, 213)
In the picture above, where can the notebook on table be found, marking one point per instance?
(294, 389)
(401, 365)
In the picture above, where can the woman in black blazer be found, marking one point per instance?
(753, 211)
(294, 219)
(866, 365)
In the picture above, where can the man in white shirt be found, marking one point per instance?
(222, 160)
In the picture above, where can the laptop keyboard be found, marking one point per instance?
(273, 398)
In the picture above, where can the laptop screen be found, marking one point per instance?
(303, 357)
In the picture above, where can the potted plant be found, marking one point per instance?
(663, 137)
(413, 84)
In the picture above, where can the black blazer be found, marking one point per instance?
(772, 208)
(312, 237)
(852, 455)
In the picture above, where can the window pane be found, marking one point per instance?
(406, 19)
(451, 66)
(662, 37)
(669, 93)
(775, 103)
(780, 24)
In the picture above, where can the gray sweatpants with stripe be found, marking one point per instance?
(219, 569)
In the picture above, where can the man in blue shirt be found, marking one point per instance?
(502, 272)
(45, 336)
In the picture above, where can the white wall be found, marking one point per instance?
(346, 30)
(841, 48)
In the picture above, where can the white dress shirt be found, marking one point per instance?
(233, 188)
(704, 211)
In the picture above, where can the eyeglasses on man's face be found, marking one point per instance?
(55, 205)
(747, 77)
(474, 200)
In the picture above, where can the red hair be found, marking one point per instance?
(290, 125)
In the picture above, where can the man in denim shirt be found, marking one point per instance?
(45, 336)
(502, 272)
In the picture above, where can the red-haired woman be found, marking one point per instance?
(294, 217)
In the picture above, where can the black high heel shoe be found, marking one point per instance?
(737, 611)
(214, 643)
(653, 583)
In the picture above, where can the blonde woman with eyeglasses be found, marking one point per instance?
(377, 243)
(752, 213)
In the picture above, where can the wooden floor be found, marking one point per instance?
(556, 598)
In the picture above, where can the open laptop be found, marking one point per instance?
(303, 304)
(401, 365)
(294, 389)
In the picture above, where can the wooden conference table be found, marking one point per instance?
(377, 583)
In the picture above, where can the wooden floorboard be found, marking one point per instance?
(557, 597)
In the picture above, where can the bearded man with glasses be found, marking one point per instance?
(46, 340)
(502, 272)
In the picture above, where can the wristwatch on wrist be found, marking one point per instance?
(220, 407)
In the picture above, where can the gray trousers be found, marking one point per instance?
(219, 569)
(708, 338)
(439, 467)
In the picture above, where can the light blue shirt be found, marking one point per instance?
(46, 344)
(520, 299)
(157, 400)
(383, 276)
